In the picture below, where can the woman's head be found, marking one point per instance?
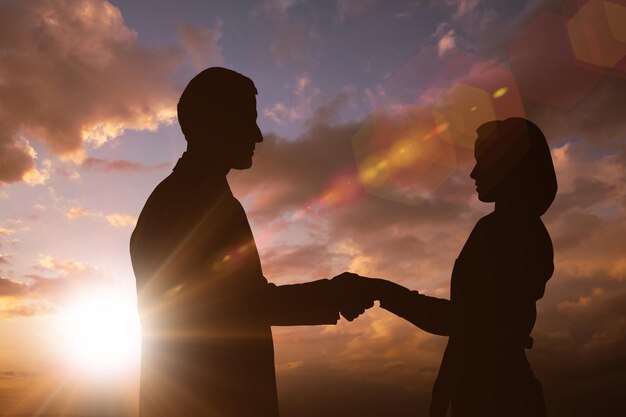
(513, 162)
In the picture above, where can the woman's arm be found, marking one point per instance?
(434, 315)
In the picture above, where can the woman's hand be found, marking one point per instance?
(356, 293)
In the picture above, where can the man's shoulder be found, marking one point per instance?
(177, 198)
(159, 203)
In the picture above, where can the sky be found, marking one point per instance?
(368, 109)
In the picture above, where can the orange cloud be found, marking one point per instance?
(80, 78)
(121, 220)
(114, 219)
(121, 165)
(53, 283)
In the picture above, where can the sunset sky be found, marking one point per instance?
(369, 110)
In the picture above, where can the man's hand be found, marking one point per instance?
(355, 294)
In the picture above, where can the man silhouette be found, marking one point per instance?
(205, 306)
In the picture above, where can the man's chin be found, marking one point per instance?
(242, 164)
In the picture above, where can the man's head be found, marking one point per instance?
(217, 114)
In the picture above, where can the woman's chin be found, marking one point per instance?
(485, 198)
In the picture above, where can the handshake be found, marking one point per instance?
(356, 294)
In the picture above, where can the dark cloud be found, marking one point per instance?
(563, 95)
(9, 288)
(598, 118)
(586, 192)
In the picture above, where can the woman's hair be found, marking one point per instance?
(521, 145)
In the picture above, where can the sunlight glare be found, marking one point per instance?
(100, 336)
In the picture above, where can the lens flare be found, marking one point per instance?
(424, 121)
(596, 33)
(500, 92)
(401, 156)
(544, 65)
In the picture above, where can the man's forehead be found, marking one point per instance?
(238, 101)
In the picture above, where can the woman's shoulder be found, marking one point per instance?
(500, 232)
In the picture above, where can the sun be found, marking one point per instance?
(100, 335)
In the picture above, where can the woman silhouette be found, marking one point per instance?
(499, 275)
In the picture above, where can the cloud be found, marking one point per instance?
(596, 118)
(121, 220)
(347, 8)
(445, 37)
(73, 74)
(303, 234)
(75, 212)
(38, 176)
(52, 264)
(53, 284)
(9, 288)
(16, 374)
(316, 195)
(281, 6)
(462, 7)
(295, 42)
(289, 366)
(17, 300)
(15, 158)
(446, 42)
(114, 219)
(121, 165)
(299, 263)
(25, 310)
(201, 43)
(304, 96)
(564, 96)
(312, 218)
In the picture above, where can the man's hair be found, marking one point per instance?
(211, 98)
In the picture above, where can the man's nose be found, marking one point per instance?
(473, 173)
(258, 137)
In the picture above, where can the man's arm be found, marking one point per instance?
(309, 303)
(316, 302)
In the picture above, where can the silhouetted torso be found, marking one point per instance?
(206, 308)
(497, 278)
